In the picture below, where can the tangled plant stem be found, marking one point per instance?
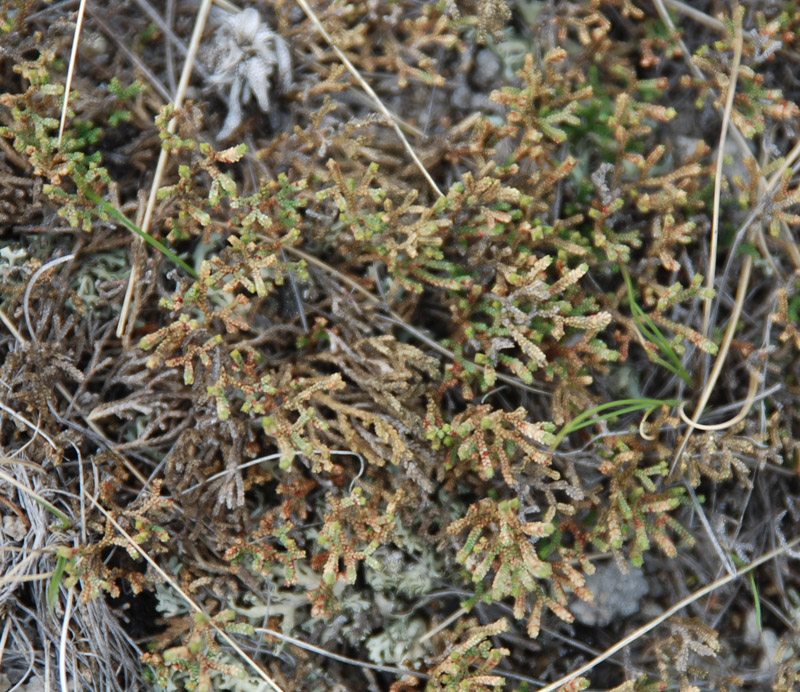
(320, 405)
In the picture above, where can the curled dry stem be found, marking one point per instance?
(26, 301)
(748, 404)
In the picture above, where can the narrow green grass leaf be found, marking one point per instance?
(163, 249)
(751, 578)
(610, 410)
(653, 334)
(756, 599)
(55, 582)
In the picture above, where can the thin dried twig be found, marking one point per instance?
(73, 57)
(442, 625)
(194, 44)
(723, 135)
(300, 644)
(6, 320)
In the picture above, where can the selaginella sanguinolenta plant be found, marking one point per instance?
(356, 390)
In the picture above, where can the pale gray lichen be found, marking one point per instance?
(399, 574)
(13, 255)
(246, 59)
(398, 643)
(615, 595)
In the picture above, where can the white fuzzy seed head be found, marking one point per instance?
(246, 56)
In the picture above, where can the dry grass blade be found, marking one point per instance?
(300, 644)
(62, 643)
(194, 44)
(15, 575)
(49, 506)
(35, 428)
(12, 328)
(27, 299)
(73, 57)
(733, 320)
(376, 100)
(444, 624)
(4, 639)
